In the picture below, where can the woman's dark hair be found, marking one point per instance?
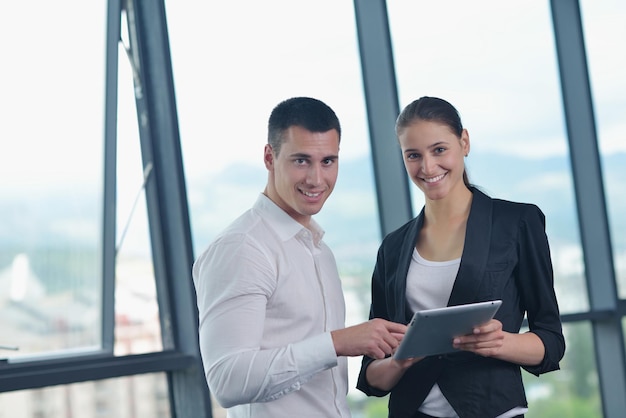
(308, 113)
(432, 109)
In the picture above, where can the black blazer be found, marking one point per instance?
(505, 256)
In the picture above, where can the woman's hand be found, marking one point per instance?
(404, 363)
(384, 374)
(489, 340)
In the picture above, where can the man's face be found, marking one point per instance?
(304, 174)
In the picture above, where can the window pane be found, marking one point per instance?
(572, 391)
(605, 34)
(499, 69)
(142, 395)
(226, 87)
(51, 165)
(137, 325)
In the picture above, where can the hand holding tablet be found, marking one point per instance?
(431, 331)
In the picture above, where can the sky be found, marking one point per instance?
(505, 86)
(234, 61)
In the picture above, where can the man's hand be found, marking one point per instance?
(376, 338)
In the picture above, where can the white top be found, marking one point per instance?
(429, 283)
(268, 294)
(428, 286)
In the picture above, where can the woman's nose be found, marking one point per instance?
(428, 165)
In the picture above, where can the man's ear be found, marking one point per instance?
(268, 156)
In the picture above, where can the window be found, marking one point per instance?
(502, 75)
(141, 395)
(511, 108)
(604, 35)
(62, 255)
(52, 166)
(94, 207)
(227, 85)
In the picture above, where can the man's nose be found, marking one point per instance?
(314, 175)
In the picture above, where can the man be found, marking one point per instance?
(271, 307)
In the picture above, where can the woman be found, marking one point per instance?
(463, 247)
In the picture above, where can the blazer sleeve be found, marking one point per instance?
(536, 283)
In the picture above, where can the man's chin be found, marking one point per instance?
(311, 209)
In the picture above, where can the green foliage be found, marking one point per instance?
(570, 407)
(572, 391)
(377, 408)
(580, 360)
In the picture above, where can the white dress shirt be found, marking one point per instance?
(268, 295)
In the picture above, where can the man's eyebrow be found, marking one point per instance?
(300, 155)
(308, 156)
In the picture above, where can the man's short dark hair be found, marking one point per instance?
(306, 112)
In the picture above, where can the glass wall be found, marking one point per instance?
(52, 196)
(511, 108)
(137, 325)
(51, 205)
(604, 41)
(51, 165)
(109, 398)
(231, 68)
(573, 390)
(233, 62)
(503, 79)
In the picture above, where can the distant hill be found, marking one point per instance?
(350, 215)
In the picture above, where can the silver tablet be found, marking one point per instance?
(431, 331)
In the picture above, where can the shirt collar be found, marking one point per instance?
(285, 226)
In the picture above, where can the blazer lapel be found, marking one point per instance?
(475, 251)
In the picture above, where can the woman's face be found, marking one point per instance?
(433, 157)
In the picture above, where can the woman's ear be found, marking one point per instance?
(465, 142)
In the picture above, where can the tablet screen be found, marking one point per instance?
(431, 331)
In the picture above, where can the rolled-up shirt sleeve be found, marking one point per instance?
(235, 279)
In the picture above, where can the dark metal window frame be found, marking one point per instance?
(169, 218)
